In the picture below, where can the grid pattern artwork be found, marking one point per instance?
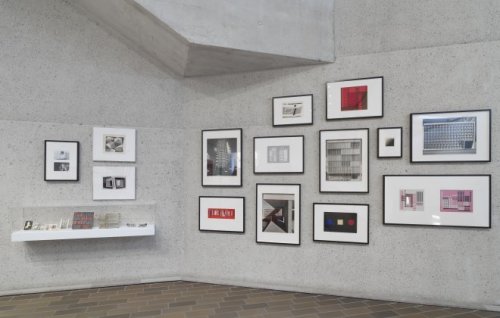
(278, 154)
(343, 160)
(456, 200)
(449, 135)
(411, 200)
(354, 98)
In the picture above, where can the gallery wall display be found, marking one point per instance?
(451, 136)
(222, 214)
(222, 157)
(61, 160)
(114, 183)
(293, 110)
(278, 154)
(278, 213)
(438, 200)
(339, 222)
(114, 144)
(390, 142)
(356, 98)
(344, 160)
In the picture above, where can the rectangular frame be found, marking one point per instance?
(293, 110)
(459, 136)
(390, 142)
(281, 226)
(278, 154)
(113, 144)
(61, 160)
(222, 214)
(345, 176)
(345, 223)
(229, 158)
(438, 200)
(119, 181)
(355, 98)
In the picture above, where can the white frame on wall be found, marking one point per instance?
(99, 144)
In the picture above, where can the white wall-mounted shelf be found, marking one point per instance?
(69, 234)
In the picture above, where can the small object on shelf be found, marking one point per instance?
(143, 224)
(52, 227)
(109, 220)
(28, 225)
(83, 220)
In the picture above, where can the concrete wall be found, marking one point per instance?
(60, 75)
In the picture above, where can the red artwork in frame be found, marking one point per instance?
(354, 98)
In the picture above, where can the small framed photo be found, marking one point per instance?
(293, 110)
(114, 144)
(278, 213)
(344, 160)
(463, 136)
(114, 183)
(438, 200)
(221, 157)
(390, 142)
(345, 223)
(222, 214)
(279, 154)
(61, 160)
(357, 98)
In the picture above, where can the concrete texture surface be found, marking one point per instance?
(60, 75)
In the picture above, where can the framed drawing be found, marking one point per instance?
(61, 160)
(114, 183)
(357, 98)
(221, 157)
(278, 154)
(346, 223)
(293, 110)
(222, 214)
(463, 136)
(438, 200)
(114, 144)
(390, 142)
(343, 160)
(278, 213)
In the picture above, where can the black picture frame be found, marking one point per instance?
(219, 206)
(61, 155)
(308, 112)
(285, 152)
(472, 149)
(229, 180)
(400, 144)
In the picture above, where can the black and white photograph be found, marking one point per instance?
(278, 213)
(113, 183)
(344, 160)
(279, 154)
(293, 110)
(462, 136)
(61, 160)
(341, 222)
(390, 142)
(113, 144)
(221, 157)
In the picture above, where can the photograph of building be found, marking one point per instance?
(221, 157)
(343, 160)
(449, 135)
(278, 213)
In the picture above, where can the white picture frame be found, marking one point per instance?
(113, 183)
(114, 144)
(278, 154)
(390, 142)
(341, 222)
(293, 110)
(221, 214)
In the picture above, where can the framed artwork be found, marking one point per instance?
(278, 213)
(343, 160)
(114, 144)
(390, 142)
(463, 136)
(114, 183)
(221, 157)
(438, 200)
(278, 154)
(222, 214)
(61, 160)
(346, 223)
(293, 110)
(357, 98)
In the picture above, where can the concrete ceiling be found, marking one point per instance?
(200, 38)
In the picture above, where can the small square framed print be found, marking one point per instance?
(278, 154)
(344, 160)
(222, 214)
(438, 200)
(114, 144)
(61, 160)
(357, 98)
(462, 136)
(293, 110)
(278, 213)
(221, 157)
(113, 183)
(345, 223)
(390, 142)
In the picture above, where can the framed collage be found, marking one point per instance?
(222, 214)
(278, 154)
(344, 223)
(61, 160)
(293, 110)
(113, 183)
